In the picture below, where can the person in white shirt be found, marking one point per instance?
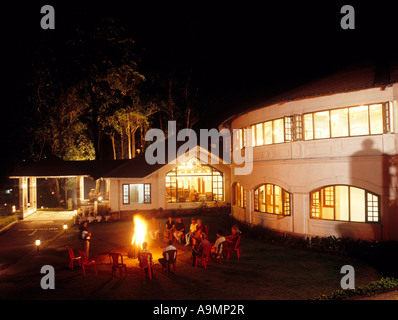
(216, 246)
(163, 261)
(192, 230)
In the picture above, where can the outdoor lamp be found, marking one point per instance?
(65, 226)
(37, 244)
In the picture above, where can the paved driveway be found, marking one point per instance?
(19, 239)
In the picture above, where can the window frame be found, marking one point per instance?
(320, 201)
(285, 203)
(124, 195)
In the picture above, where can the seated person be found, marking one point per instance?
(231, 239)
(198, 248)
(237, 230)
(169, 228)
(179, 229)
(154, 229)
(163, 261)
(145, 250)
(200, 228)
(216, 246)
(192, 229)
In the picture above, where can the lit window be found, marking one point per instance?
(259, 134)
(321, 125)
(376, 118)
(359, 121)
(339, 123)
(239, 196)
(193, 181)
(268, 132)
(279, 131)
(271, 198)
(136, 193)
(308, 127)
(345, 203)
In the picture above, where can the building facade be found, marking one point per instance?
(324, 160)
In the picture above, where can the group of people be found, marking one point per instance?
(196, 236)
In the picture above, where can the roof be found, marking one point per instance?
(56, 167)
(363, 75)
(137, 167)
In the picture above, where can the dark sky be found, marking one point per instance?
(239, 51)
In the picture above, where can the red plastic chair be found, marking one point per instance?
(114, 260)
(171, 259)
(205, 257)
(236, 248)
(73, 258)
(85, 262)
(145, 260)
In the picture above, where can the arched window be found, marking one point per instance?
(345, 203)
(271, 198)
(193, 181)
(239, 195)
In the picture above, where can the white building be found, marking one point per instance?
(325, 158)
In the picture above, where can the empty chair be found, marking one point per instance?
(116, 260)
(145, 260)
(85, 262)
(73, 258)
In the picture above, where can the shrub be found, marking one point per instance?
(371, 288)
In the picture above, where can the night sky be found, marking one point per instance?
(240, 52)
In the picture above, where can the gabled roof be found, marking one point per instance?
(364, 75)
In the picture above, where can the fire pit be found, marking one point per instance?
(140, 231)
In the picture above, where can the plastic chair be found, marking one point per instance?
(171, 259)
(73, 258)
(145, 260)
(114, 260)
(235, 248)
(222, 251)
(85, 262)
(205, 257)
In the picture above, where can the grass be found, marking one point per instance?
(7, 220)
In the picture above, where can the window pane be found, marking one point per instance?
(315, 205)
(376, 118)
(321, 123)
(278, 131)
(136, 193)
(125, 194)
(268, 132)
(342, 208)
(308, 127)
(339, 119)
(286, 203)
(253, 128)
(372, 207)
(262, 198)
(357, 204)
(256, 207)
(359, 121)
(278, 200)
(259, 134)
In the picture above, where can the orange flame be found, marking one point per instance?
(139, 231)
